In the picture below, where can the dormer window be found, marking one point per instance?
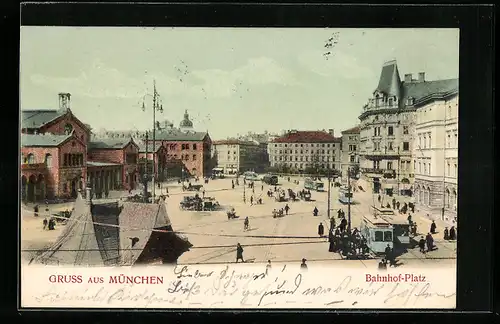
(390, 102)
(410, 101)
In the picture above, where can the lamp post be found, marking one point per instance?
(157, 106)
(349, 195)
(329, 191)
(145, 174)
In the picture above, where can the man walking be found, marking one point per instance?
(239, 253)
(321, 230)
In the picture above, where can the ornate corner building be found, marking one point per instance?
(409, 139)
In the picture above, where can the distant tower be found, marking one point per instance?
(64, 101)
(186, 124)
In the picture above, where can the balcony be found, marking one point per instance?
(33, 167)
(369, 170)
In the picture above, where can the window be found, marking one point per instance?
(429, 169)
(352, 158)
(66, 159)
(430, 145)
(403, 165)
(68, 128)
(375, 131)
(406, 146)
(354, 147)
(405, 130)
(229, 152)
(390, 131)
(456, 140)
(425, 141)
(389, 165)
(31, 158)
(234, 152)
(194, 146)
(448, 169)
(420, 167)
(183, 147)
(420, 140)
(455, 170)
(387, 236)
(301, 145)
(448, 142)
(390, 146)
(390, 101)
(425, 168)
(194, 157)
(379, 236)
(48, 160)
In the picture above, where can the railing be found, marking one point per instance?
(368, 170)
(33, 166)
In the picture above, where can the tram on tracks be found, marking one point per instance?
(378, 233)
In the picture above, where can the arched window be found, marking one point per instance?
(447, 198)
(68, 128)
(48, 160)
(30, 159)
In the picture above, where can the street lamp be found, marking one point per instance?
(157, 106)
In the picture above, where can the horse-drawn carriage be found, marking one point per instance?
(305, 195)
(191, 187)
(210, 204)
(191, 203)
(292, 195)
(280, 196)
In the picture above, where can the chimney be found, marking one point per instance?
(330, 131)
(88, 200)
(421, 77)
(408, 77)
(64, 101)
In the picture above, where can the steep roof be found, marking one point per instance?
(110, 143)
(174, 135)
(306, 137)
(353, 130)
(77, 244)
(142, 147)
(102, 235)
(389, 82)
(38, 117)
(421, 91)
(43, 140)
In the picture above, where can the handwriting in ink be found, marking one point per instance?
(184, 273)
(187, 289)
(280, 291)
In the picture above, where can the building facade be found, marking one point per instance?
(436, 154)
(52, 166)
(306, 151)
(387, 128)
(350, 151)
(236, 156)
(124, 153)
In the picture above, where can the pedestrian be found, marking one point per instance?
(247, 224)
(379, 198)
(397, 205)
(159, 185)
(331, 239)
(382, 265)
(429, 241)
(315, 211)
(253, 189)
(239, 253)
(412, 208)
(433, 227)
(453, 233)
(35, 210)
(287, 208)
(52, 224)
(45, 222)
(332, 223)
(303, 265)
(392, 258)
(387, 252)
(251, 200)
(203, 193)
(393, 203)
(262, 188)
(446, 234)
(339, 213)
(321, 229)
(268, 266)
(232, 185)
(421, 244)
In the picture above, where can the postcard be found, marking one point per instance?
(241, 168)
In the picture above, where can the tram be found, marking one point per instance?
(251, 176)
(378, 233)
(314, 184)
(345, 197)
(270, 179)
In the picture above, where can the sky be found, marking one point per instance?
(230, 80)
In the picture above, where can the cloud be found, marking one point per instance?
(338, 64)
